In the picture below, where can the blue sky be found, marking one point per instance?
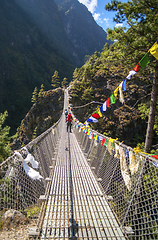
(102, 17)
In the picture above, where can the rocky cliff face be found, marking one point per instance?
(43, 114)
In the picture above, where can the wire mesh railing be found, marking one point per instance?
(21, 186)
(129, 180)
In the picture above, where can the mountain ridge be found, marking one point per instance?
(30, 54)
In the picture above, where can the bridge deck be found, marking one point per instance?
(77, 209)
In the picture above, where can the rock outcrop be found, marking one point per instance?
(42, 115)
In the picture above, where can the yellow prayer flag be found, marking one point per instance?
(99, 112)
(154, 50)
(116, 92)
(112, 140)
(96, 137)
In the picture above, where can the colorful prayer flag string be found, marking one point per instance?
(122, 87)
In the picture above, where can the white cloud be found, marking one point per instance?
(119, 25)
(90, 4)
(97, 16)
(106, 21)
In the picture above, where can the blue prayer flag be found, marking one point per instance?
(124, 85)
(101, 109)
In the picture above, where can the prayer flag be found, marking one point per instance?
(136, 68)
(90, 135)
(101, 109)
(102, 141)
(131, 73)
(121, 93)
(112, 99)
(155, 164)
(106, 143)
(88, 132)
(99, 112)
(95, 115)
(92, 119)
(97, 139)
(116, 92)
(104, 106)
(124, 85)
(155, 156)
(108, 102)
(144, 61)
(126, 153)
(154, 50)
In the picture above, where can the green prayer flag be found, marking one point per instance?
(106, 143)
(144, 61)
(112, 99)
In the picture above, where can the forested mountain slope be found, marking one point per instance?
(95, 81)
(33, 44)
(27, 59)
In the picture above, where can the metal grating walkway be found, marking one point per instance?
(76, 206)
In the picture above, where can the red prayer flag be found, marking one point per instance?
(92, 135)
(136, 68)
(155, 156)
(95, 115)
(108, 102)
(102, 141)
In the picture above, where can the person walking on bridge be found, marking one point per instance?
(66, 113)
(69, 121)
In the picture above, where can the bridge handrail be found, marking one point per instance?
(132, 194)
(17, 189)
(33, 142)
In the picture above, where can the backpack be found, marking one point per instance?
(69, 118)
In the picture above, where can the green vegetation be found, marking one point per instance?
(4, 138)
(32, 211)
(97, 79)
(55, 80)
(132, 43)
(64, 82)
(34, 95)
(41, 92)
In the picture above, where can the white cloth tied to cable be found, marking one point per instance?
(124, 169)
(33, 174)
(121, 93)
(133, 164)
(30, 159)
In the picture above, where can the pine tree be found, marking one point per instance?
(64, 82)
(133, 42)
(55, 80)
(34, 95)
(4, 138)
(41, 92)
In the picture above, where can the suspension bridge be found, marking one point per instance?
(87, 190)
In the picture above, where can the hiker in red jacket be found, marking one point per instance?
(69, 121)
